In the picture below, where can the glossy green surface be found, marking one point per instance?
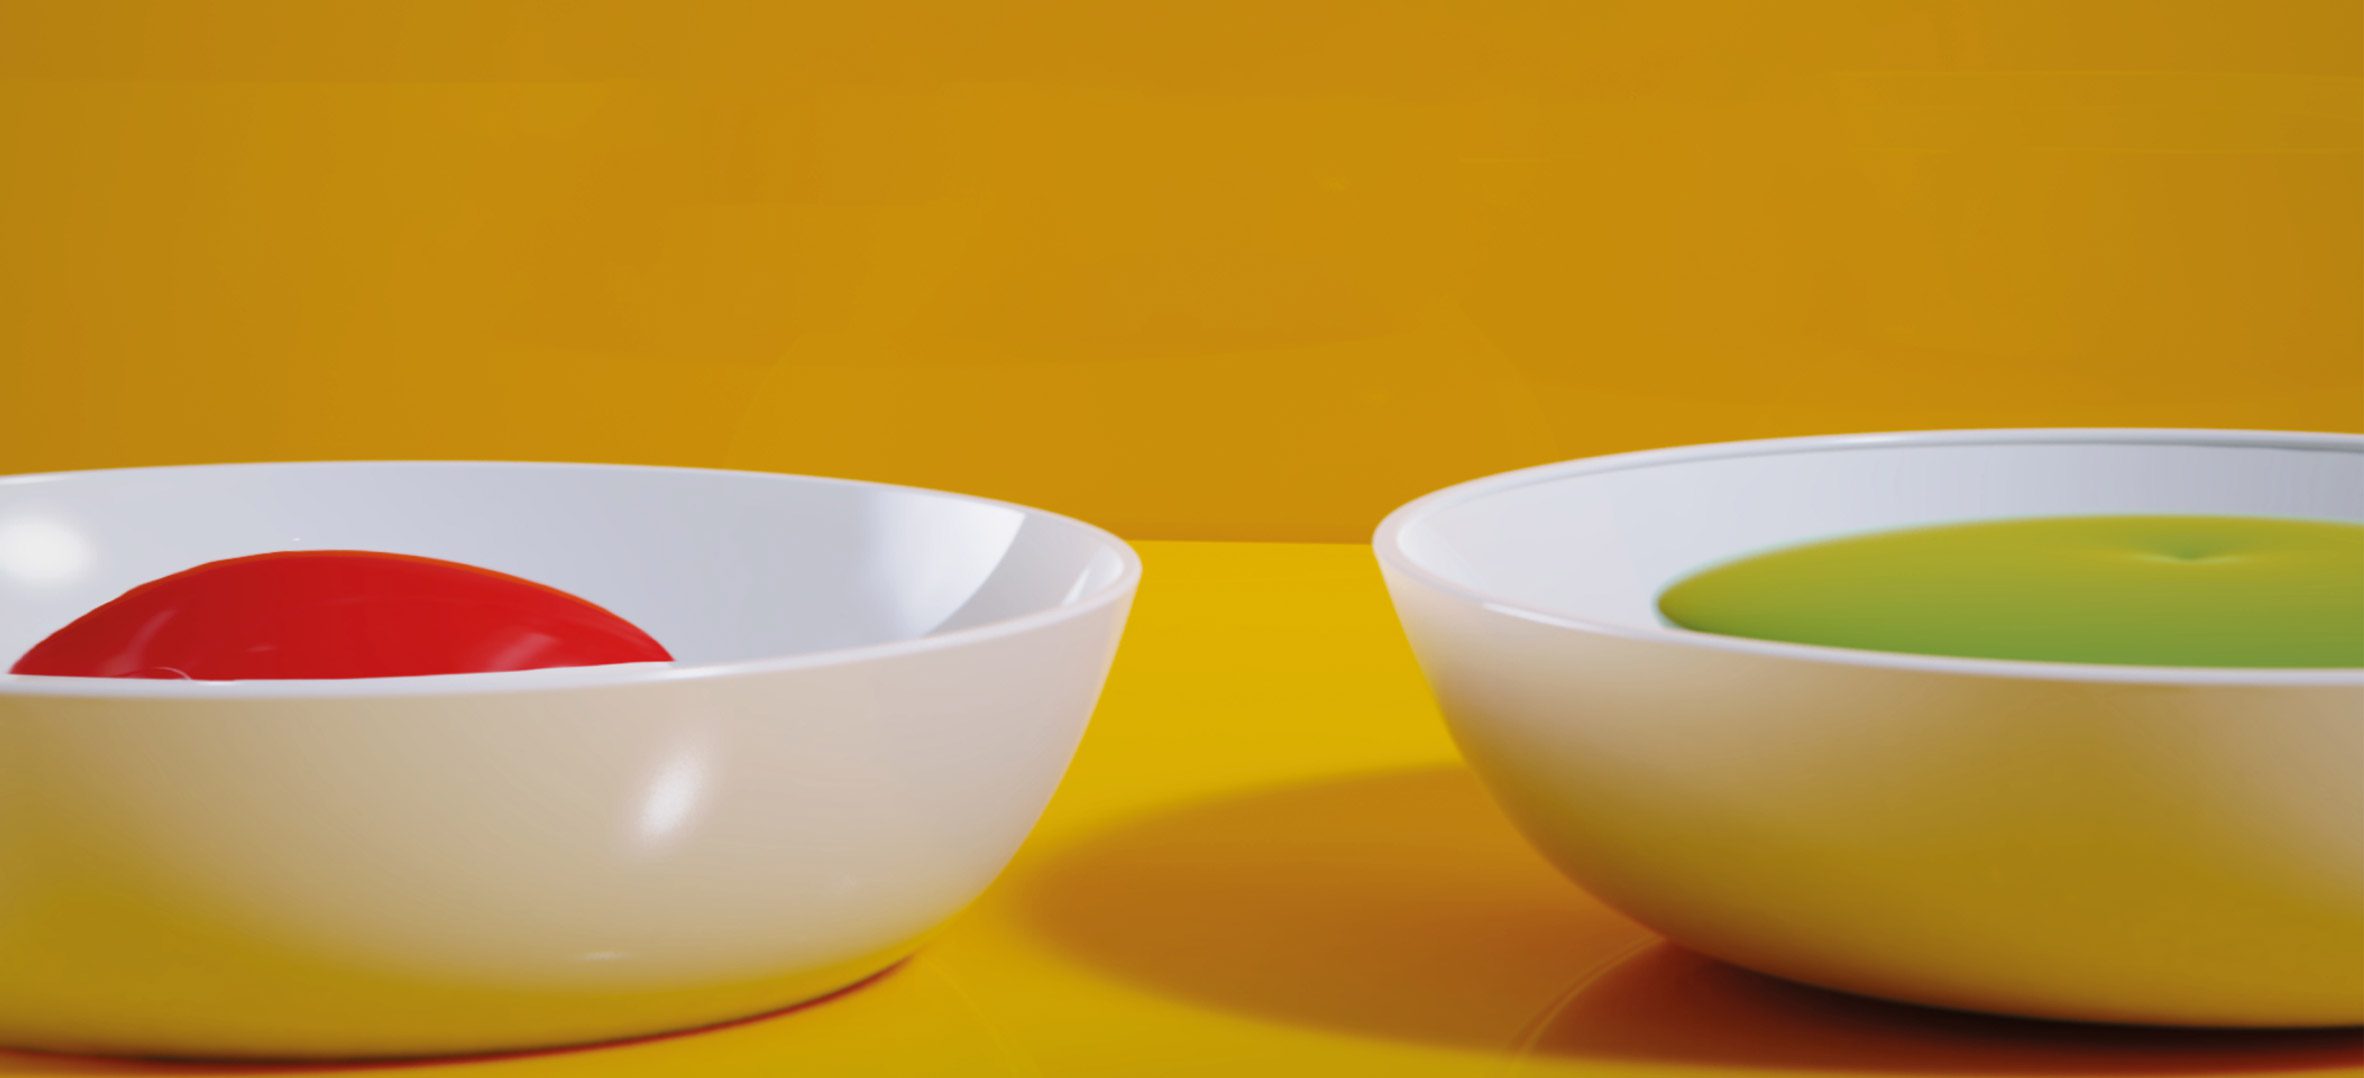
(2133, 590)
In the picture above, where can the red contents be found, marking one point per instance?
(336, 614)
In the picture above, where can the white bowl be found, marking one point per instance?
(876, 690)
(2103, 843)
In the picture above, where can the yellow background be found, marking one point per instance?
(1199, 268)
(1220, 268)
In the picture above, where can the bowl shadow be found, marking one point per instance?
(60, 1064)
(1404, 906)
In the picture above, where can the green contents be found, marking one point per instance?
(2131, 590)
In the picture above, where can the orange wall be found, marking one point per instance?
(1225, 268)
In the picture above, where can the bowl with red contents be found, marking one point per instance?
(385, 759)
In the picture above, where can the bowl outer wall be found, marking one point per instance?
(1984, 837)
(2108, 852)
(346, 877)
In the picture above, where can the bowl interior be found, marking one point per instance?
(1598, 540)
(719, 566)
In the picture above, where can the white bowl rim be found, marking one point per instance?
(1387, 543)
(1113, 591)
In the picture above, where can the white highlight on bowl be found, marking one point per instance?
(42, 551)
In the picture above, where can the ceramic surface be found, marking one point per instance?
(877, 690)
(2118, 844)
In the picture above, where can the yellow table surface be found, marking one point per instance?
(1267, 860)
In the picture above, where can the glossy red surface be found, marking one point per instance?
(336, 614)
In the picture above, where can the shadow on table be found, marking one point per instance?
(63, 1065)
(1404, 906)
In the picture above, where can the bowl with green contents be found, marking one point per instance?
(2057, 723)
